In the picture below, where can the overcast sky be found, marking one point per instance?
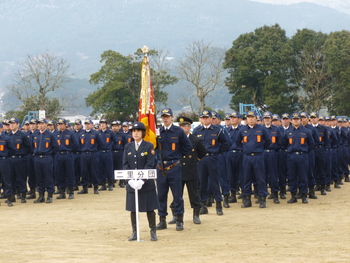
(340, 5)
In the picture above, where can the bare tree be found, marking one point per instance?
(36, 77)
(202, 68)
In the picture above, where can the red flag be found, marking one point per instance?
(147, 105)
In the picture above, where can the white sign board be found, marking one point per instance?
(135, 174)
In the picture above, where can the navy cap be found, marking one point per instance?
(103, 120)
(116, 123)
(69, 125)
(33, 121)
(96, 126)
(321, 118)
(327, 118)
(6, 122)
(285, 116)
(251, 113)
(125, 123)
(296, 115)
(167, 112)
(61, 121)
(50, 122)
(235, 114)
(214, 114)
(333, 117)
(227, 116)
(130, 123)
(78, 122)
(26, 123)
(345, 119)
(303, 114)
(339, 118)
(258, 117)
(14, 120)
(313, 114)
(184, 120)
(88, 121)
(267, 114)
(275, 117)
(42, 120)
(205, 113)
(138, 126)
(218, 116)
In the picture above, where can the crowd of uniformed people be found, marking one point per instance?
(261, 156)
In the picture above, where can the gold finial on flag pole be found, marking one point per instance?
(144, 50)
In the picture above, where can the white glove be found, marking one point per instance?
(132, 183)
(139, 184)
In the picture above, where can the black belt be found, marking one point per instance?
(269, 151)
(87, 152)
(298, 153)
(318, 146)
(170, 162)
(253, 154)
(168, 167)
(16, 156)
(43, 155)
(3, 158)
(105, 151)
(211, 154)
(64, 152)
(115, 151)
(235, 151)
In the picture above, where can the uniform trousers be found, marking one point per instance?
(254, 171)
(234, 169)
(18, 165)
(209, 169)
(106, 166)
(335, 166)
(89, 168)
(297, 171)
(77, 166)
(328, 165)
(31, 171)
(224, 181)
(271, 169)
(319, 168)
(43, 165)
(311, 168)
(172, 180)
(65, 169)
(282, 168)
(5, 174)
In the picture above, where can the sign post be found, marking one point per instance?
(136, 175)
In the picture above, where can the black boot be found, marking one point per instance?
(204, 209)
(323, 190)
(62, 194)
(275, 198)
(84, 190)
(49, 198)
(328, 188)
(23, 198)
(263, 202)
(162, 223)
(226, 205)
(173, 220)
(209, 203)
(304, 199)
(347, 179)
(232, 198)
(18, 193)
(9, 200)
(283, 192)
(103, 186)
(298, 195)
(151, 216)
(3, 196)
(32, 194)
(196, 219)
(70, 193)
(219, 208)
(312, 193)
(122, 183)
(336, 184)
(41, 199)
(246, 201)
(110, 185)
(58, 191)
(317, 188)
(180, 222)
(13, 199)
(293, 199)
(133, 225)
(96, 190)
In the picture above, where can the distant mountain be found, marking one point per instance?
(80, 30)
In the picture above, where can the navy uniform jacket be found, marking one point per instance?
(89, 141)
(67, 141)
(275, 136)
(143, 158)
(322, 135)
(233, 132)
(108, 138)
(77, 135)
(44, 143)
(119, 144)
(6, 145)
(128, 136)
(332, 139)
(254, 140)
(314, 134)
(213, 139)
(190, 160)
(174, 143)
(298, 140)
(21, 142)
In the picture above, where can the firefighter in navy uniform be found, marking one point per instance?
(255, 139)
(173, 144)
(78, 129)
(30, 160)
(190, 170)
(298, 141)
(141, 155)
(118, 149)
(215, 143)
(45, 146)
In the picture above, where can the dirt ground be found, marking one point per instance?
(95, 228)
